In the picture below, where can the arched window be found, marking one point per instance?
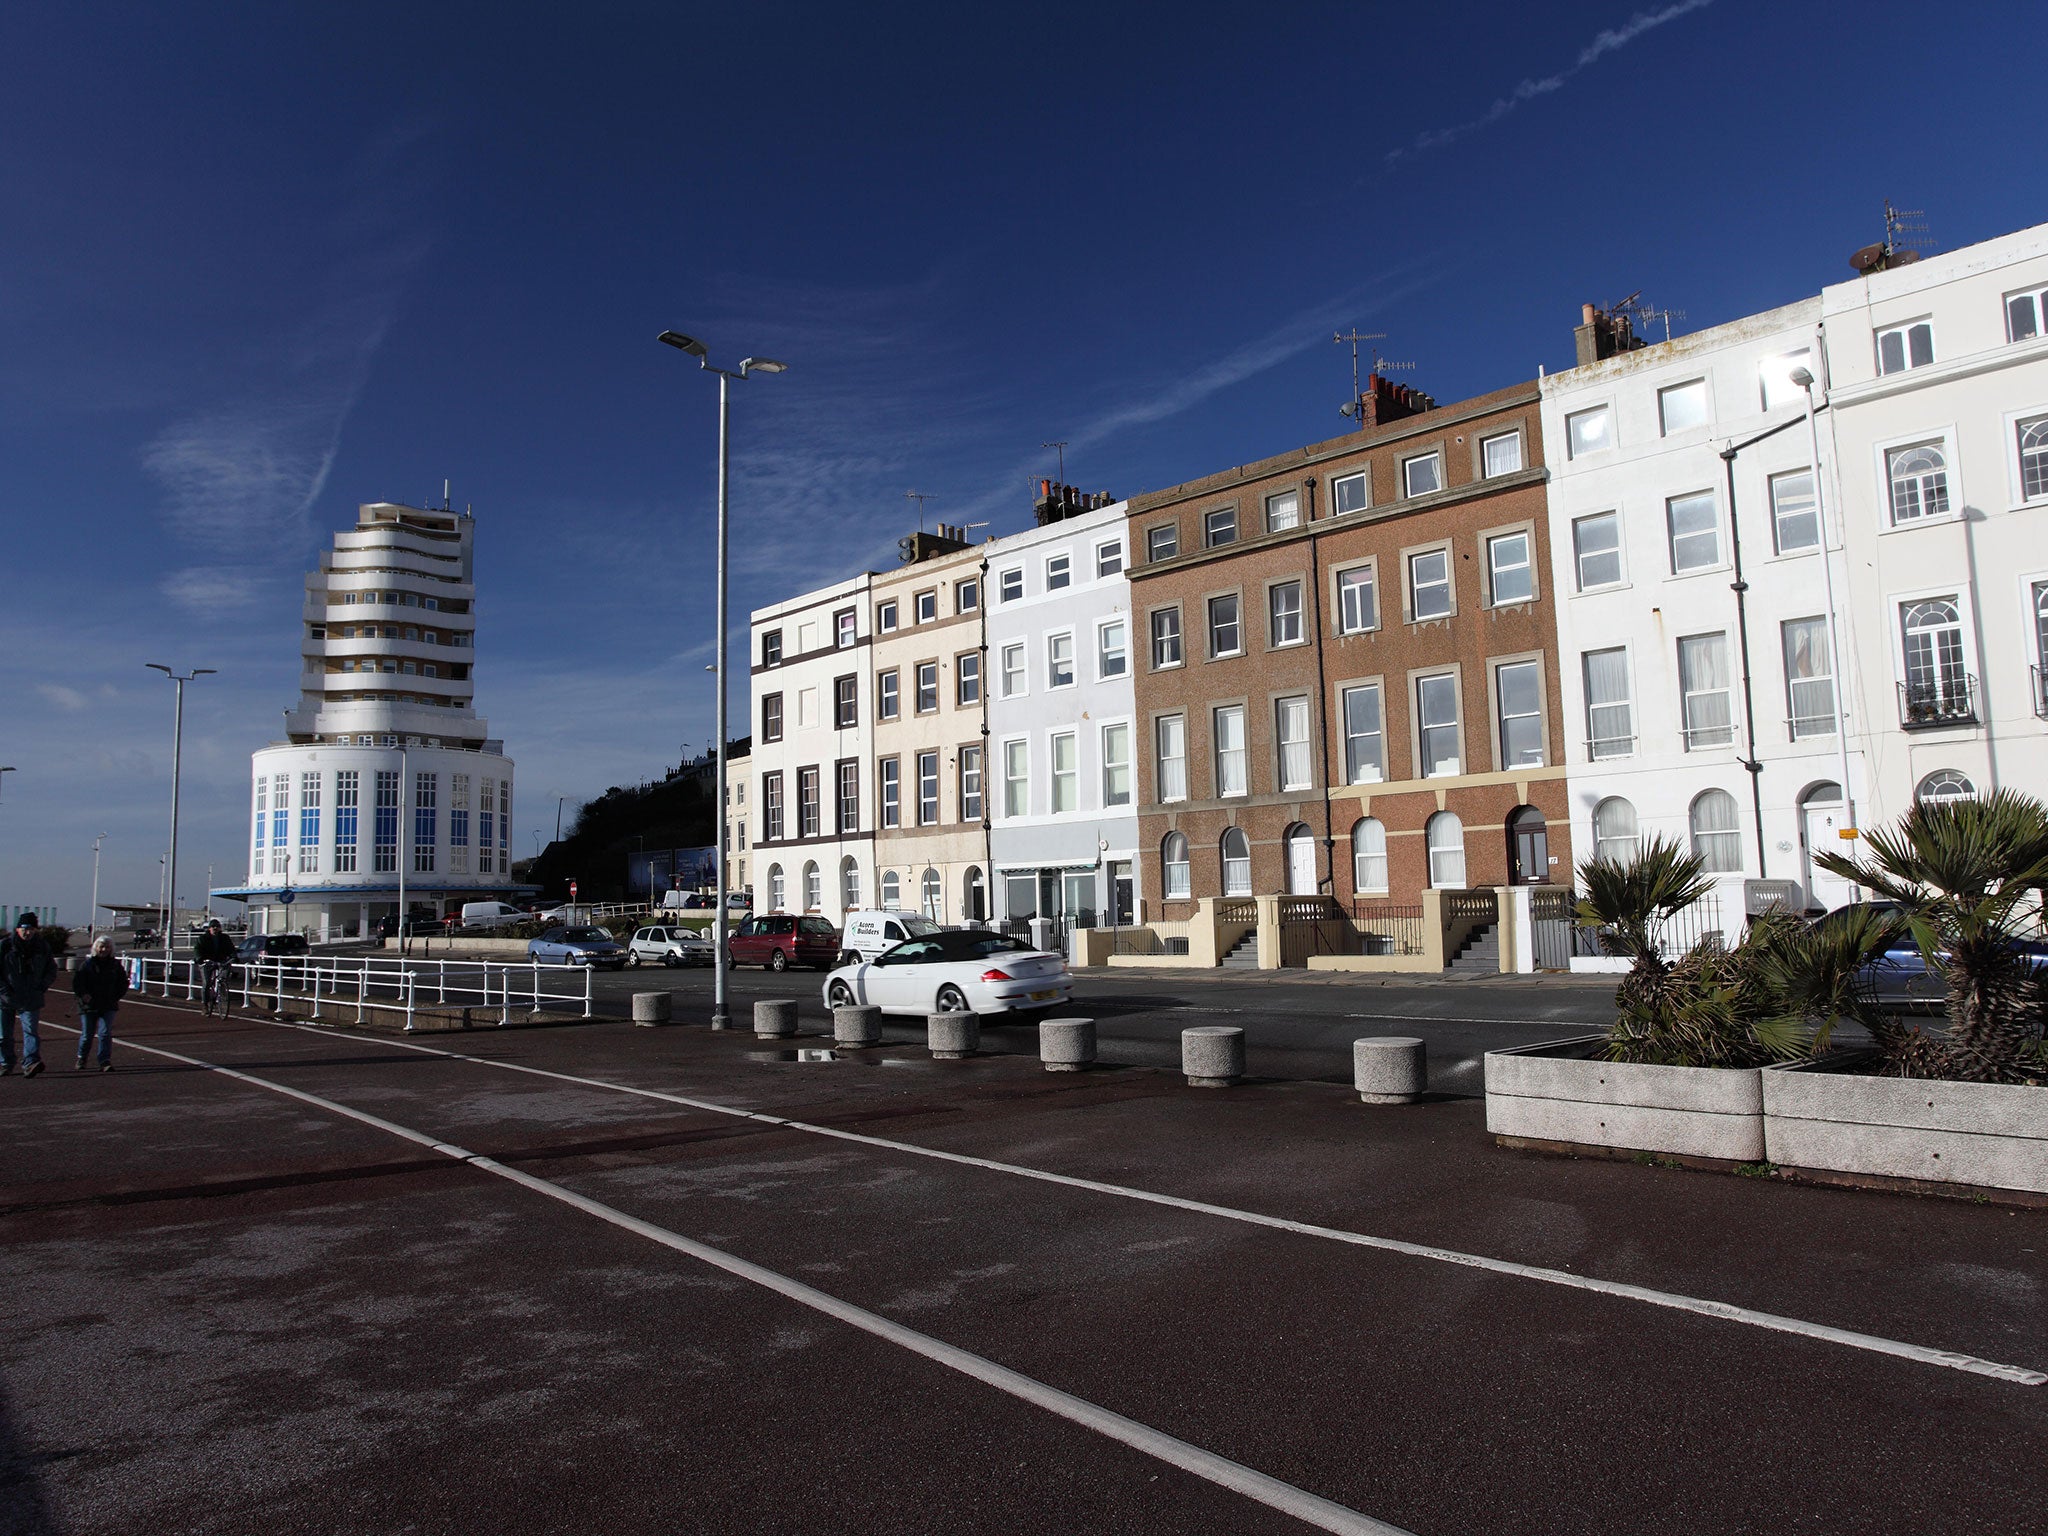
(1173, 857)
(932, 896)
(1944, 785)
(849, 883)
(1919, 478)
(814, 893)
(2034, 458)
(1369, 857)
(1446, 851)
(1237, 863)
(974, 896)
(1614, 830)
(1937, 683)
(892, 891)
(1716, 834)
(775, 892)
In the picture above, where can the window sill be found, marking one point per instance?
(1226, 655)
(1513, 602)
(1167, 666)
(1939, 520)
(1287, 645)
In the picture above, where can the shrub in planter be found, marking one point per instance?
(1966, 878)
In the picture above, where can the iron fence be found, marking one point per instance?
(1385, 928)
(336, 986)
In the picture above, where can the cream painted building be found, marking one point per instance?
(930, 794)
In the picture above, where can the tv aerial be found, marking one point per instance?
(920, 497)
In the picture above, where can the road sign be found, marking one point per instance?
(572, 890)
(287, 896)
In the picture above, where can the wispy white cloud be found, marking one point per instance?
(70, 700)
(240, 477)
(1609, 41)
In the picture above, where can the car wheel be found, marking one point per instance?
(671, 959)
(777, 960)
(840, 995)
(951, 999)
(846, 957)
(632, 959)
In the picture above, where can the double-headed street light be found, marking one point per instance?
(177, 753)
(721, 1018)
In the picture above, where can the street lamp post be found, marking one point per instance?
(177, 754)
(92, 923)
(1804, 379)
(721, 1017)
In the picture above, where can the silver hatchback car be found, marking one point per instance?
(660, 945)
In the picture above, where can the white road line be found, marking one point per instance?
(1701, 1306)
(1309, 1508)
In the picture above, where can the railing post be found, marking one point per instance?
(589, 976)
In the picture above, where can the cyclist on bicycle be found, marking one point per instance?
(214, 952)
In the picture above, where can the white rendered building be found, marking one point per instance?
(814, 830)
(1695, 649)
(1938, 429)
(385, 766)
(1062, 710)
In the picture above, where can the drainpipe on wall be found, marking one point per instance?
(988, 778)
(1315, 570)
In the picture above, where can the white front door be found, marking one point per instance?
(1301, 863)
(1818, 824)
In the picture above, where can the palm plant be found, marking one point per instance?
(1966, 876)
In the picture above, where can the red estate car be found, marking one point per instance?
(779, 941)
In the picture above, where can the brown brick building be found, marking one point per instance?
(1348, 664)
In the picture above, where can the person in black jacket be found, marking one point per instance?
(26, 970)
(212, 953)
(101, 983)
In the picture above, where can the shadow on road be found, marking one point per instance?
(23, 1509)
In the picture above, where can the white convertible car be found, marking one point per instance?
(954, 969)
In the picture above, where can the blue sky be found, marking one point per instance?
(263, 263)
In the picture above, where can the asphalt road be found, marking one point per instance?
(600, 1279)
(1298, 1027)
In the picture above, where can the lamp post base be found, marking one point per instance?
(720, 1019)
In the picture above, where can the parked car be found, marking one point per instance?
(1903, 979)
(417, 925)
(686, 901)
(286, 948)
(669, 946)
(951, 970)
(486, 916)
(780, 940)
(867, 934)
(577, 946)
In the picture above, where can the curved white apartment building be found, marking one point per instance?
(386, 771)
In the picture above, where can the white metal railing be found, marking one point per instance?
(337, 985)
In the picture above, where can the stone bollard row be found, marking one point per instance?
(1066, 1045)
(775, 1018)
(651, 1007)
(856, 1028)
(951, 1036)
(1212, 1055)
(1389, 1069)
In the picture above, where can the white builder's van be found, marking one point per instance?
(865, 935)
(478, 916)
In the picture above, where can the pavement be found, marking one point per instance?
(593, 1278)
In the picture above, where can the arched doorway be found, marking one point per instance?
(1528, 847)
(1820, 821)
(1301, 861)
(975, 904)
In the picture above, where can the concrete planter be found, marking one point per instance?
(1557, 1095)
(1827, 1117)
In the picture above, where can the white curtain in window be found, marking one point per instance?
(1369, 857)
(1173, 757)
(892, 891)
(1614, 830)
(1237, 863)
(1292, 719)
(1610, 717)
(1446, 835)
(1809, 678)
(1230, 764)
(1173, 853)
(1716, 835)
(1703, 681)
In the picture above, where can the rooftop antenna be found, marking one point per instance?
(1650, 312)
(1355, 338)
(1062, 447)
(1383, 367)
(920, 497)
(1902, 221)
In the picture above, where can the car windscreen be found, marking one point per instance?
(818, 928)
(587, 936)
(920, 927)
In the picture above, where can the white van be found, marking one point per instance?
(865, 935)
(481, 916)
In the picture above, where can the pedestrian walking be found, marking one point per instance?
(26, 971)
(100, 983)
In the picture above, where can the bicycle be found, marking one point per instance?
(217, 988)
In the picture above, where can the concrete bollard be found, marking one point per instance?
(775, 1018)
(856, 1027)
(1066, 1045)
(1389, 1069)
(651, 1007)
(951, 1036)
(1212, 1055)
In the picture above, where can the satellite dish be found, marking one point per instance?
(1348, 408)
(906, 549)
(1872, 258)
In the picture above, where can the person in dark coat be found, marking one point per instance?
(100, 983)
(26, 971)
